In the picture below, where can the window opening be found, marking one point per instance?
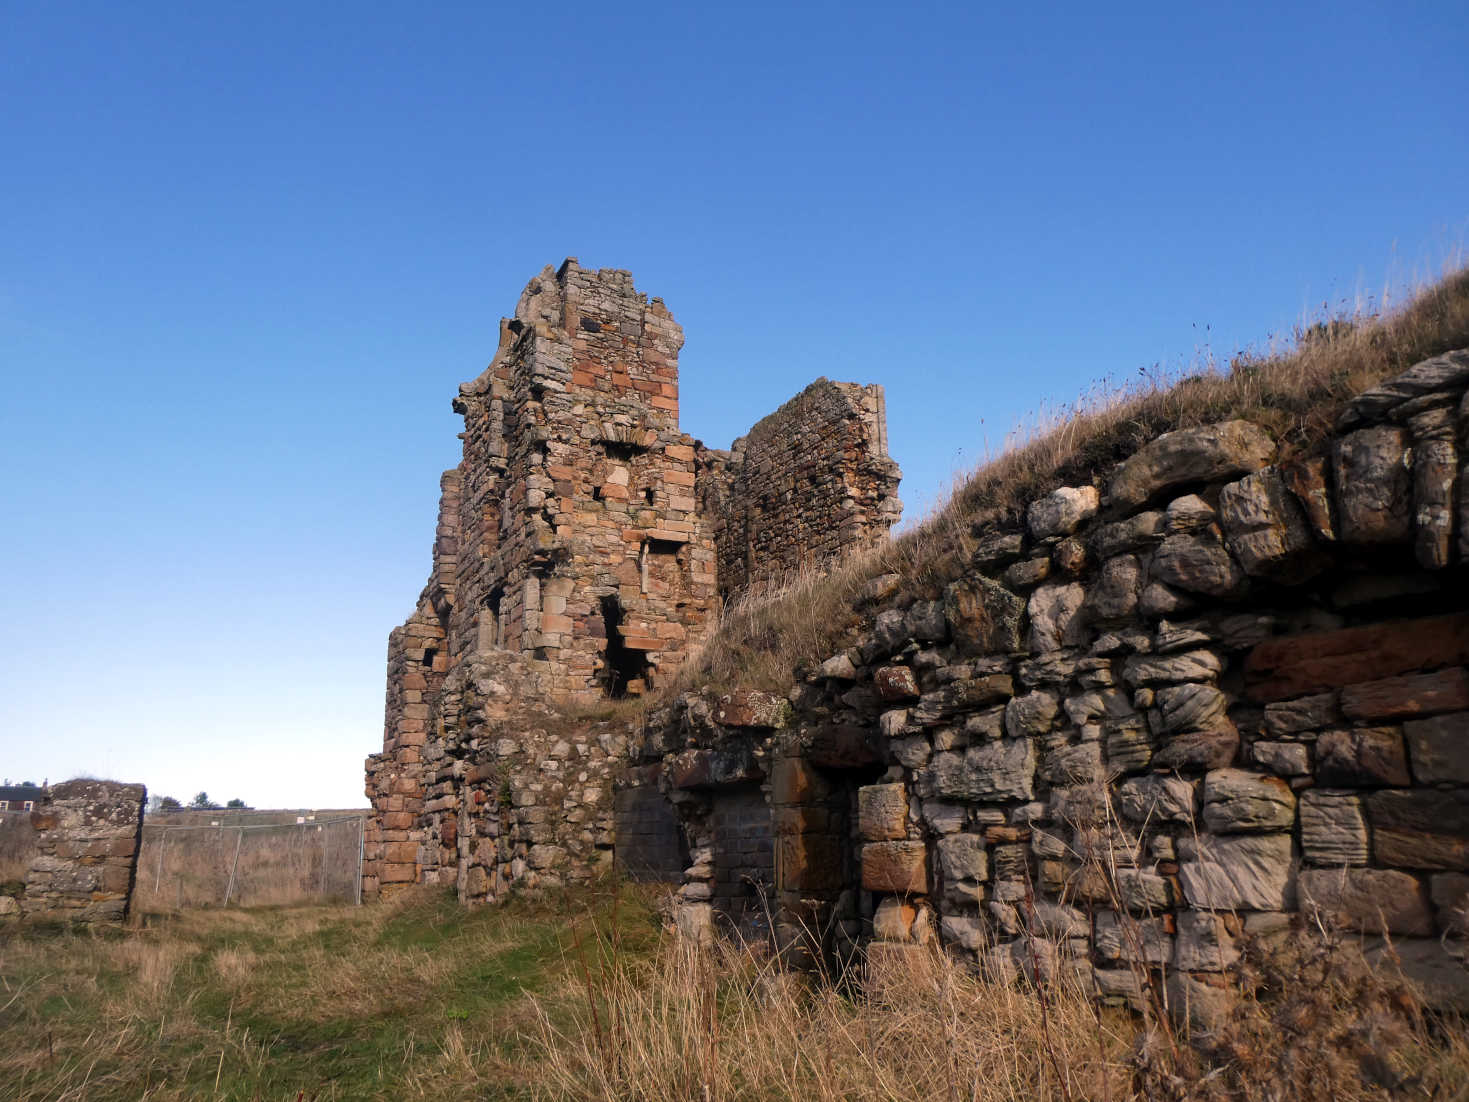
(627, 669)
(429, 654)
(622, 450)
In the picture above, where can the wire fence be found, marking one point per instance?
(249, 865)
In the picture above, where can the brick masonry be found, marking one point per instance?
(1211, 694)
(584, 544)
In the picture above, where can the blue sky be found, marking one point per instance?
(247, 253)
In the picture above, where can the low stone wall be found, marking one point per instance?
(1209, 696)
(87, 839)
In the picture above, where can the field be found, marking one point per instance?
(583, 996)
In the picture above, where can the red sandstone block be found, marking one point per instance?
(661, 402)
(582, 378)
(398, 874)
(1405, 697)
(550, 622)
(793, 781)
(1295, 665)
(882, 812)
(678, 478)
(680, 451)
(643, 642)
(809, 862)
(406, 852)
(895, 867)
(562, 471)
(398, 820)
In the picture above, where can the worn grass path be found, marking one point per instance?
(419, 999)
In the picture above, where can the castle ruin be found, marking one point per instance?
(584, 544)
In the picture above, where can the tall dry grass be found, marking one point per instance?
(1296, 393)
(725, 1022)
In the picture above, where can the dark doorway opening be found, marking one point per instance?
(627, 669)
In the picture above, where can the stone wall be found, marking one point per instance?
(87, 837)
(575, 559)
(808, 483)
(1210, 695)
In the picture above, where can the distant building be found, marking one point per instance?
(19, 797)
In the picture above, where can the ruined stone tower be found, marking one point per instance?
(583, 544)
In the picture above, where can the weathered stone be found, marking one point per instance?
(1114, 595)
(1307, 480)
(1149, 669)
(882, 812)
(1198, 1010)
(838, 667)
(1450, 894)
(1062, 511)
(895, 683)
(86, 851)
(1158, 600)
(1210, 453)
(1196, 750)
(1079, 763)
(1438, 970)
(1309, 713)
(751, 708)
(994, 771)
(984, 617)
(1028, 572)
(1439, 748)
(1266, 529)
(1054, 619)
(1363, 756)
(1423, 694)
(1136, 532)
(959, 696)
(1284, 759)
(1435, 470)
(1136, 940)
(1333, 829)
(1204, 943)
(898, 867)
(1294, 665)
(1239, 802)
(1128, 746)
(1420, 828)
(1191, 707)
(1070, 556)
(965, 931)
(1447, 372)
(1375, 901)
(1189, 513)
(998, 548)
(1031, 714)
(893, 920)
(926, 623)
(1249, 871)
(1374, 487)
(944, 817)
(963, 857)
(1197, 564)
(1157, 799)
(913, 752)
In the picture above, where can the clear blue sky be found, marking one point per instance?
(247, 252)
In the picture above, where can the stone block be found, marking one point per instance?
(1210, 453)
(1374, 486)
(1238, 802)
(1438, 748)
(1156, 799)
(897, 867)
(1242, 871)
(1294, 665)
(1375, 901)
(1363, 756)
(882, 812)
(984, 617)
(1267, 530)
(1333, 828)
(1420, 828)
(1205, 942)
(795, 781)
(1284, 759)
(1054, 617)
(810, 862)
(1408, 696)
(893, 920)
(1032, 714)
(998, 771)
(1062, 511)
(896, 683)
(963, 857)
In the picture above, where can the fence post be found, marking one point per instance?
(361, 841)
(325, 834)
(162, 841)
(239, 838)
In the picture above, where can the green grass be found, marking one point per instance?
(421, 999)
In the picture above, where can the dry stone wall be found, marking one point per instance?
(87, 838)
(1212, 695)
(576, 557)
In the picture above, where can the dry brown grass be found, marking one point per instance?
(727, 1023)
(1297, 394)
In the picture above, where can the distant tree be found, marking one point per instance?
(202, 802)
(168, 803)
(237, 802)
